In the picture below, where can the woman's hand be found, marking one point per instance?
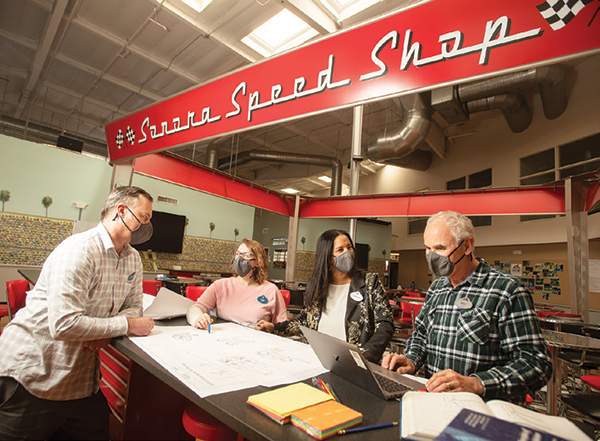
(266, 326)
(203, 321)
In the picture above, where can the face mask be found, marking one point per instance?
(441, 266)
(344, 262)
(242, 266)
(142, 233)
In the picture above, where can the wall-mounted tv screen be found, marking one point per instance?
(168, 233)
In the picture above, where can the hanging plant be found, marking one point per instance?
(212, 227)
(46, 202)
(303, 241)
(236, 232)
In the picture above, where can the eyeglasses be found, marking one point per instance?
(247, 256)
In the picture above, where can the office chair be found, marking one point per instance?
(285, 293)
(151, 286)
(16, 292)
(193, 292)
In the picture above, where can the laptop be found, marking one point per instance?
(347, 361)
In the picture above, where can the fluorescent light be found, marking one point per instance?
(325, 178)
(290, 191)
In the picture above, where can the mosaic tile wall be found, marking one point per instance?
(28, 240)
(305, 259)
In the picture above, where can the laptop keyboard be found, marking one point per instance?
(389, 385)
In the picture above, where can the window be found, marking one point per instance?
(416, 225)
(480, 179)
(574, 158)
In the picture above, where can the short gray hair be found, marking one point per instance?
(123, 195)
(460, 225)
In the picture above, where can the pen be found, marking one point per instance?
(362, 429)
(332, 393)
(209, 322)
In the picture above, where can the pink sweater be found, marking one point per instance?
(240, 304)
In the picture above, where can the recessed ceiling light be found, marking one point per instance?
(290, 191)
(325, 178)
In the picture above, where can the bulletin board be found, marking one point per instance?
(547, 281)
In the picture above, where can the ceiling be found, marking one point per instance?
(72, 66)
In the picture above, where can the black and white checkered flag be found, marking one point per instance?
(130, 134)
(558, 13)
(120, 138)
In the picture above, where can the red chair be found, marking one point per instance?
(286, 296)
(151, 286)
(16, 293)
(409, 312)
(194, 292)
(202, 425)
(592, 381)
(3, 310)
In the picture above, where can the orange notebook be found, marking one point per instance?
(325, 419)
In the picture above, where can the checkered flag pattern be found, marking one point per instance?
(130, 134)
(120, 138)
(558, 13)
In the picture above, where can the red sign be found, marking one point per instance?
(433, 43)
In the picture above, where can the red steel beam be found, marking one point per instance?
(212, 182)
(538, 200)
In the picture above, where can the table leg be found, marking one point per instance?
(554, 383)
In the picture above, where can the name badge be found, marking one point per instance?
(356, 296)
(464, 303)
(262, 299)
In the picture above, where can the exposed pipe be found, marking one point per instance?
(551, 82)
(514, 107)
(401, 147)
(38, 133)
(290, 158)
(212, 156)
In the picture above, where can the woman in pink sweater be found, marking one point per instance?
(245, 298)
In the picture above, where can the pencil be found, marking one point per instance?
(209, 322)
(362, 429)
(332, 393)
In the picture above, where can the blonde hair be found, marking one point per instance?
(262, 270)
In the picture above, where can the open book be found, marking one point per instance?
(424, 415)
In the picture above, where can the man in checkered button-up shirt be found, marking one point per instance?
(477, 330)
(89, 291)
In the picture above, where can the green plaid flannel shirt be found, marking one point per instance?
(498, 339)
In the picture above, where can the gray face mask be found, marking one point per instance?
(242, 266)
(441, 266)
(142, 233)
(344, 262)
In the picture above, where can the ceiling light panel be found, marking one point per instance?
(281, 32)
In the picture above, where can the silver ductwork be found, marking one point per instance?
(212, 156)
(514, 107)
(400, 148)
(290, 158)
(37, 133)
(454, 103)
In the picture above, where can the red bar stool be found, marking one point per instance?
(203, 426)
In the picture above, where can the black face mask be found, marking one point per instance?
(142, 233)
(242, 266)
(441, 265)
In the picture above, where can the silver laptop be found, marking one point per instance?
(347, 361)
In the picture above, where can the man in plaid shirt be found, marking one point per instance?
(477, 330)
(89, 291)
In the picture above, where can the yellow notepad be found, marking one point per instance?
(281, 402)
(325, 419)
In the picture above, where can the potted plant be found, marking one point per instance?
(46, 202)
(236, 232)
(303, 241)
(212, 227)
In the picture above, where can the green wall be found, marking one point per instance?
(31, 171)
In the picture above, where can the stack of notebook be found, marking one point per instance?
(280, 403)
(325, 419)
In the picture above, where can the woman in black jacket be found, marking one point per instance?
(342, 301)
